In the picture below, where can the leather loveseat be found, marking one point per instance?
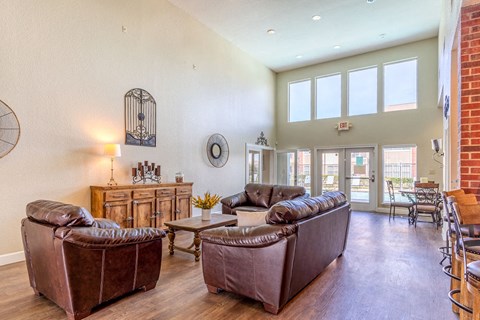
(79, 262)
(272, 262)
(260, 197)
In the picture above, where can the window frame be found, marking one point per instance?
(376, 66)
(288, 99)
(316, 95)
(397, 146)
(384, 104)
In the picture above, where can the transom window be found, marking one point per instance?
(400, 85)
(299, 101)
(362, 91)
(329, 96)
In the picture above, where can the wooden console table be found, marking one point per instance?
(142, 205)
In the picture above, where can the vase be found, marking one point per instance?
(206, 214)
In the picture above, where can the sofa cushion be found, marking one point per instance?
(289, 211)
(59, 214)
(280, 193)
(104, 223)
(259, 194)
(338, 197)
(250, 218)
(320, 204)
(257, 236)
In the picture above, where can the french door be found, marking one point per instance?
(351, 170)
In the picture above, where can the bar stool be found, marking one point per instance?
(447, 217)
(467, 250)
(472, 276)
(453, 269)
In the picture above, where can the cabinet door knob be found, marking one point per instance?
(129, 219)
(107, 205)
(135, 202)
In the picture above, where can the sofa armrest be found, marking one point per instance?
(97, 238)
(103, 223)
(258, 236)
(235, 200)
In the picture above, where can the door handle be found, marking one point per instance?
(372, 178)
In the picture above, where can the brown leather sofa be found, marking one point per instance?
(272, 262)
(79, 262)
(260, 197)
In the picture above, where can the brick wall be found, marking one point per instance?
(469, 110)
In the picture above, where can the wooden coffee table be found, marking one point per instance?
(196, 225)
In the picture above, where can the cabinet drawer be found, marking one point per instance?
(184, 190)
(163, 192)
(142, 194)
(117, 195)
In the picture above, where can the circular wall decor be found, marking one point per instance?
(217, 150)
(9, 129)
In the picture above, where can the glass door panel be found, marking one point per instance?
(330, 171)
(294, 168)
(286, 168)
(253, 166)
(359, 176)
(303, 169)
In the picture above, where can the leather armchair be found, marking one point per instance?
(79, 262)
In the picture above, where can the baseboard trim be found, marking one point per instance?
(11, 258)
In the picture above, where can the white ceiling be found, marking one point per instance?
(355, 25)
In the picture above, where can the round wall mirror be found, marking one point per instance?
(9, 129)
(217, 150)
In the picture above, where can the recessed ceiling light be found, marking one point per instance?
(336, 46)
(299, 56)
(271, 31)
(370, 1)
(316, 18)
(382, 35)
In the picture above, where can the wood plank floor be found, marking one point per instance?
(390, 270)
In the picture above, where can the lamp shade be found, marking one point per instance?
(112, 150)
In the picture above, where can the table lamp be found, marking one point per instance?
(113, 151)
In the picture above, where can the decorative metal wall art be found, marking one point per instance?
(140, 118)
(261, 140)
(217, 150)
(9, 129)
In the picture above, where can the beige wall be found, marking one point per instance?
(415, 127)
(65, 67)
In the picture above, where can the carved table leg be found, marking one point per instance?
(171, 238)
(197, 241)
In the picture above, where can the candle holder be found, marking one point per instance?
(145, 172)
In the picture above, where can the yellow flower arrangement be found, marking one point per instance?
(208, 202)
